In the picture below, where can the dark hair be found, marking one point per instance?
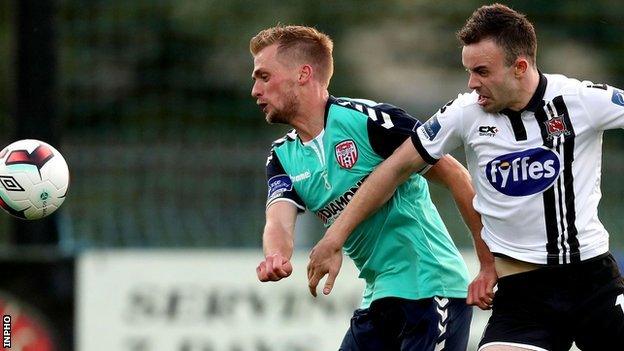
(509, 29)
(303, 44)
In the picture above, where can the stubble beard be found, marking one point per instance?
(492, 108)
(286, 114)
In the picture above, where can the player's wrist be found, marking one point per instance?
(276, 253)
(486, 262)
(334, 240)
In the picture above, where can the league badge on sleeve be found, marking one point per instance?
(431, 128)
(278, 185)
(618, 97)
(346, 154)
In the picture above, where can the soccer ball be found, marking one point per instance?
(33, 179)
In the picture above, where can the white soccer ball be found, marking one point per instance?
(34, 179)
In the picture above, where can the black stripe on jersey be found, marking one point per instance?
(385, 115)
(562, 228)
(548, 197)
(558, 186)
(382, 140)
(568, 179)
(516, 124)
(550, 212)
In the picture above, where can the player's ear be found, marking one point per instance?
(520, 67)
(305, 74)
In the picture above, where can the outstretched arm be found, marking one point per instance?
(326, 256)
(376, 190)
(277, 242)
(451, 174)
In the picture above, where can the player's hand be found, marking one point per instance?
(273, 268)
(325, 258)
(481, 290)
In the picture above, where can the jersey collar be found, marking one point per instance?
(538, 96)
(330, 101)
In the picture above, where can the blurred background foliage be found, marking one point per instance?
(167, 148)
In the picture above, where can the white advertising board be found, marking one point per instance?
(203, 300)
(190, 300)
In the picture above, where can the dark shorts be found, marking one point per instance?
(410, 325)
(549, 308)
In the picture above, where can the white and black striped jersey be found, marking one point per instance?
(536, 172)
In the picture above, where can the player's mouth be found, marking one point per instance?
(483, 100)
(263, 106)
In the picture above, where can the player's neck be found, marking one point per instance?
(527, 89)
(310, 121)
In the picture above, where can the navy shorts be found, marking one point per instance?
(410, 325)
(549, 308)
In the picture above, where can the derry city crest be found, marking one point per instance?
(346, 154)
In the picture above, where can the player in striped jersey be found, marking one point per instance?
(533, 144)
(416, 281)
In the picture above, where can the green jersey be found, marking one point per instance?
(403, 250)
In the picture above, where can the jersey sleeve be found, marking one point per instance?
(389, 127)
(440, 134)
(280, 185)
(604, 105)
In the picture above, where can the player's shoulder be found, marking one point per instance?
(468, 100)
(588, 92)
(281, 147)
(353, 112)
(352, 103)
(366, 107)
(460, 104)
(285, 140)
(559, 84)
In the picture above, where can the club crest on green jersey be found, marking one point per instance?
(346, 153)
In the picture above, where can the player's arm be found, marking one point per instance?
(326, 256)
(452, 175)
(283, 204)
(449, 173)
(277, 241)
(376, 190)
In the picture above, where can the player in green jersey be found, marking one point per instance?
(416, 280)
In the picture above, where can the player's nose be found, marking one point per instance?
(256, 90)
(473, 81)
